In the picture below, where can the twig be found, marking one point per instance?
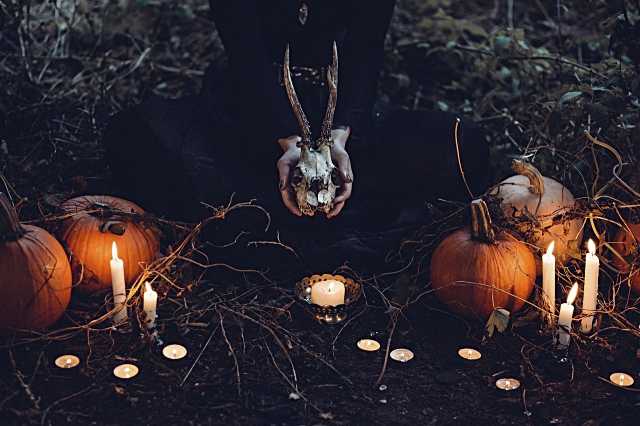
(233, 353)
(25, 386)
(394, 322)
(195, 362)
(61, 400)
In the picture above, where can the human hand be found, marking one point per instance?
(341, 160)
(285, 164)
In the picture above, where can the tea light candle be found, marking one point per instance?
(125, 371)
(118, 286)
(150, 304)
(368, 345)
(469, 354)
(590, 297)
(401, 355)
(327, 293)
(507, 384)
(67, 361)
(174, 351)
(566, 315)
(549, 283)
(621, 379)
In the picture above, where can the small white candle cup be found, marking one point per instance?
(126, 371)
(174, 352)
(621, 379)
(507, 384)
(401, 355)
(67, 361)
(368, 345)
(469, 354)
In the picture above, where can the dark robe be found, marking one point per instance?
(169, 155)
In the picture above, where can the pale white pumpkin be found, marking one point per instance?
(544, 200)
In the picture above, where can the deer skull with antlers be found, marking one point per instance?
(315, 179)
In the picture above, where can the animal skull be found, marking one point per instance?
(315, 179)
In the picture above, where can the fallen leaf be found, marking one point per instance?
(499, 320)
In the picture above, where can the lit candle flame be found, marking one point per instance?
(147, 287)
(591, 246)
(67, 361)
(621, 379)
(572, 294)
(114, 251)
(550, 248)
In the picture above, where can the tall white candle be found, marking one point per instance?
(118, 286)
(590, 298)
(327, 293)
(549, 283)
(565, 317)
(150, 304)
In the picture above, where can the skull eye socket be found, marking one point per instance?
(296, 176)
(336, 177)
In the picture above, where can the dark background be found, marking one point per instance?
(562, 68)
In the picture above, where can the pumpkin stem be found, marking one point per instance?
(481, 228)
(10, 227)
(530, 172)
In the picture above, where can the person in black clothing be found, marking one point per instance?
(239, 134)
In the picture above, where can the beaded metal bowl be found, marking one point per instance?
(329, 314)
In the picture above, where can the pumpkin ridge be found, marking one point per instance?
(473, 276)
(48, 286)
(91, 245)
(40, 286)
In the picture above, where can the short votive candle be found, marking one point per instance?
(126, 371)
(174, 351)
(368, 345)
(67, 361)
(507, 384)
(469, 354)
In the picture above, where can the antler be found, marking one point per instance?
(332, 82)
(305, 128)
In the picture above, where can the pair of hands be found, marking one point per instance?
(288, 161)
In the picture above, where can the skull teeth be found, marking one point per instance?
(312, 199)
(324, 197)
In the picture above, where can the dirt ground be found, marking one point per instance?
(536, 78)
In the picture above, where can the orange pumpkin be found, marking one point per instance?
(541, 199)
(478, 269)
(626, 244)
(94, 223)
(35, 276)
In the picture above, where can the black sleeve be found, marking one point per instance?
(361, 55)
(253, 76)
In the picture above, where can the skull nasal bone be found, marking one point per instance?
(316, 185)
